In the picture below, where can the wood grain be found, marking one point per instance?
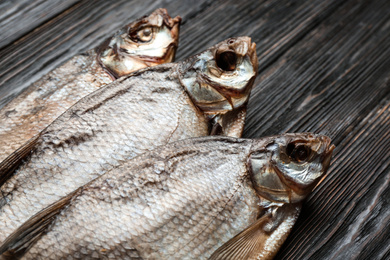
(324, 67)
(83, 26)
(348, 215)
(88, 23)
(329, 80)
(17, 17)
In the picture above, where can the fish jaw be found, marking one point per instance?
(146, 42)
(220, 79)
(290, 166)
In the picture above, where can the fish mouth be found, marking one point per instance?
(172, 23)
(326, 150)
(168, 20)
(235, 97)
(329, 149)
(236, 44)
(327, 157)
(253, 56)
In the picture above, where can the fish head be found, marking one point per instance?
(290, 166)
(146, 42)
(220, 79)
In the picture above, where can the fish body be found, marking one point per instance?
(115, 123)
(49, 97)
(193, 199)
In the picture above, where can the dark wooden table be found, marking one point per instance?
(324, 68)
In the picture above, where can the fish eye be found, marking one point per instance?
(227, 60)
(301, 153)
(145, 34)
(298, 153)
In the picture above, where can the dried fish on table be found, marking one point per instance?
(123, 119)
(222, 197)
(148, 41)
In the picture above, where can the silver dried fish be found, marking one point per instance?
(123, 119)
(223, 198)
(127, 51)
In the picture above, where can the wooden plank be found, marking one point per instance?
(207, 22)
(323, 68)
(274, 25)
(331, 82)
(17, 17)
(83, 26)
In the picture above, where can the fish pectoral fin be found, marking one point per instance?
(8, 166)
(21, 239)
(246, 244)
(229, 124)
(233, 122)
(262, 239)
(216, 129)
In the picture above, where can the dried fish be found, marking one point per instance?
(123, 119)
(222, 197)
(148, 41)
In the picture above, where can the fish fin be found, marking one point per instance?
(21, 239)
(229, 124)
(233, 122)
(262, 239)
(216, 129)
(8, 166)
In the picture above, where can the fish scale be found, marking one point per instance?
(70, 128)
(45, 100)
(202, 202)
(113, 124)
(16, 130)
(146, 229)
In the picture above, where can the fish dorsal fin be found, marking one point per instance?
(21, 239)
(8, 166)
(262, 239)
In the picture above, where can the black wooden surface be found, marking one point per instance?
(324, 67)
